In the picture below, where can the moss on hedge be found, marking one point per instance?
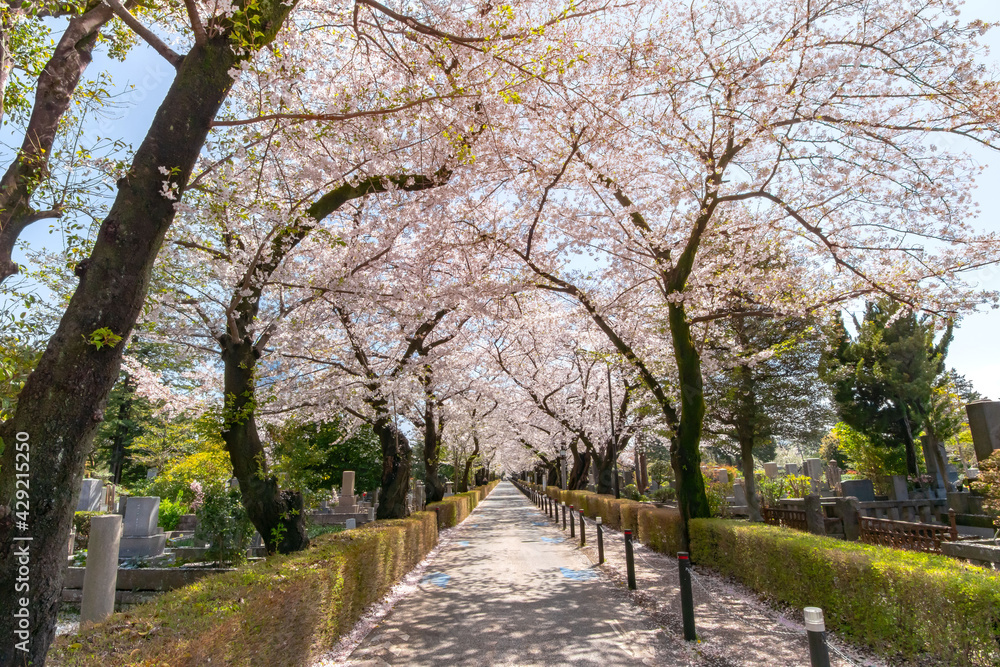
(283, 611)
(897, 602)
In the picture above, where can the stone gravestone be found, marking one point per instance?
(791, 469)
(348, 504)
(862, 489)
(833, 476)
(140, 535)
(897, 488)
(234, 484)
(814, 470)
(152, 473)
(771, 469)
(739, 493)
(351, 523)
(91, 496)
(928, 445)
(984, 422)
(722, 476)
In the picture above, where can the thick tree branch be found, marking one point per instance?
(145, 33)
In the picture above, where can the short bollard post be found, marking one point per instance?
(564, 515)
(600, 542)
(583, 536)
(572, 522)
(687, 601)
(629, 560)
(819, 654)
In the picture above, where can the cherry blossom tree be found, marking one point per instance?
(225, 42)
(832, 130)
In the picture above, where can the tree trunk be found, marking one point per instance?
(121, 431)
(604, 467)
(62, 402)
(909, 444)
(753, 502)
(581, 468)
(396, 454)
(277, 515)
(685, 455)
(432, 452)
(463, 483)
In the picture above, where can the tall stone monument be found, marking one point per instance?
(984, 422)
(348, 504)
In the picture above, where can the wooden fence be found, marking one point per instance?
(907, 534)
(779, 516)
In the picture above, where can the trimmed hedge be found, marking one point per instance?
(897, 602)
(629, 511)
(286, 610)
(453, 510)
(660, 528)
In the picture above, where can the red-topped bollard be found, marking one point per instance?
(687, 600)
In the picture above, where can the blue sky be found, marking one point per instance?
(144, 78)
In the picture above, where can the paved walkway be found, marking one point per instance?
(509, 589)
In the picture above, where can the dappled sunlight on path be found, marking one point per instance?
(506, 588)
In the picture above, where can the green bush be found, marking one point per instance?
(897, 602)
(81, 521)
(224, 524)
(286, 610)
(663, 494)
(170, 513)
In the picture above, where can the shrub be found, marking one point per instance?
(660, 529)
(224, 524)
(663, 494)
(287, 610)
(170, 513)
(897, 602)
(81, 521)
